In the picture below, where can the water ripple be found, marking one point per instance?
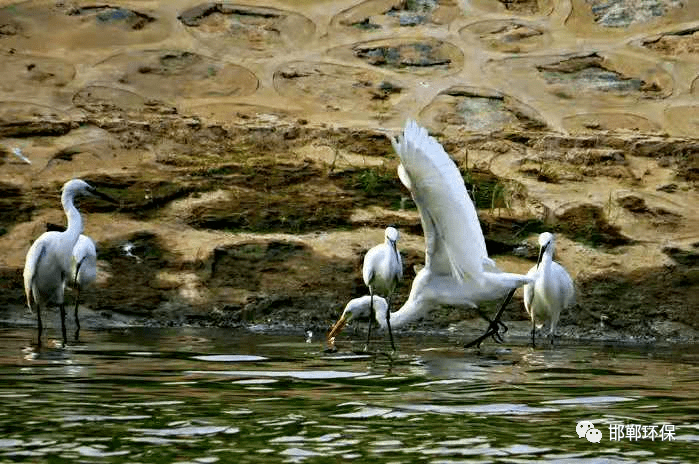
(95, 418)
(591, 400)
(432, 406)
(89, 451)
(303, 375)
(230, 358)
(187, 431)
(494, 409)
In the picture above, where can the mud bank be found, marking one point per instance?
(247, 146)
(269, 224)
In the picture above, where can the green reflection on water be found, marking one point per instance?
(140, 397)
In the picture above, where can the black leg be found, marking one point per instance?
(388, 323)
(77, 321)
(39, 326)
(63, 323)
(371, 319)
(533, 336)
(494, 326)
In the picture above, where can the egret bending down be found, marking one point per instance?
(457, 268)
(382, 270)
(553, 289)
(371, 306)
(47, 268)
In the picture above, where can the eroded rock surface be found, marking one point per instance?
(248, 149)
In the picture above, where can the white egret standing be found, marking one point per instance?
(48, 264)
(83, 268)
(457, 268)
(382, 270)
(553, 289)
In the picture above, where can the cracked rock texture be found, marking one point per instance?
(247, 147)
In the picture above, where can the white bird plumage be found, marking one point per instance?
(83, 271)
(382, 270)
(457, 268)
(553, 289)
(383, 266)
(360, 307)
(47, 268)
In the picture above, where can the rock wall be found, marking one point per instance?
(247, 146)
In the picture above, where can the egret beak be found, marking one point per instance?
(96, 193)
(542, 250)
(337, 328)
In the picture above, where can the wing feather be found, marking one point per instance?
(34, 255)
(453, 235)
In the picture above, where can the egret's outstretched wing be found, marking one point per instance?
(454, 240)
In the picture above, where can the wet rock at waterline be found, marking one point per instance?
(248, 148)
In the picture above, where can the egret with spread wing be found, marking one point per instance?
(47, 268)
(382, 269)
(553, 289)
(457, 268)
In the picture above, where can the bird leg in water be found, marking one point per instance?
(40, 326)
(388, 323)
(494, 327)
(553, 339)
(62, 306)
(371, 319)
(77, 321)
(77, 299)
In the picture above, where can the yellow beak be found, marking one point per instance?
(336, 329)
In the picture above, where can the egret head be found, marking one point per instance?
(76, 187)
(392, 234)
(358, 308)
(545, 238)
(546, 242)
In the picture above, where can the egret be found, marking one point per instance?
(83, 268)
(371, 306)
(47, 268)
(457, 268)
(553, 289)
(382, 269)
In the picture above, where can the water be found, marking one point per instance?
(205, 396)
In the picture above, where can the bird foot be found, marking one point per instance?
(494, 330)
(495, 327)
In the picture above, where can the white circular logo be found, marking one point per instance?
(594, 435)
(587, 429)
(583, 427)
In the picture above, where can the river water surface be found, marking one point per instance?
(212, 395)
